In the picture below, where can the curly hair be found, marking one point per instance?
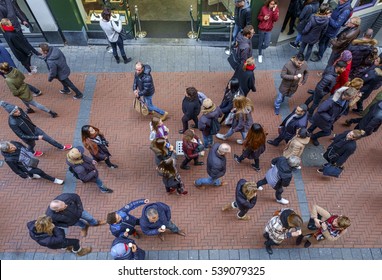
(44, 224)
(167, 168)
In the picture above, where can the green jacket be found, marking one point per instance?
(15, 81)
(376, 99)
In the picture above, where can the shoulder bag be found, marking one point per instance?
(27, 158)
(140, 106)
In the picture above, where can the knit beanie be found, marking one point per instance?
(346, 55)
(8, 107)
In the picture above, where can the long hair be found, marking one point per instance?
(241, 103)
(44, 224)
(249, 190)
(356, 83)
(5, 67)
(155, 123)
(159, 144)
(255, 137)
(167, 168)
(86, 134)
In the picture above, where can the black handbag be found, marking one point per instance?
(126, 35)
(234, 59)
(27, 158)
(332, 170)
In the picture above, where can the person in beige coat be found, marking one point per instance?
(296, 146)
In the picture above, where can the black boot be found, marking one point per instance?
(53, 114)
(117, 58)
(126, 59)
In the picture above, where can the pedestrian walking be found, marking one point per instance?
(16, 84)
(192, 149)
(244, 43)
(19, 159)
(245, 199)
(268, 15)
(144, 87)
(67, 210)
(254, 146)
(122, 223)
(285, 223)
(162, 149)
(158, 129)
(296, 146)
(156, 219)
(11, 10)
(216, 166)
(27, 131)
(242, 17)
(97, 145)
(370, 122)
(112, 31)
(231, 91)
(58, 69)
(343, 77)
(246, 76)
(294, 74)
(83, 168)
(170, 177)
(323, 226)
(280, 176)
(208, 123)
(124, 248)
(190, 108)
(46, 234)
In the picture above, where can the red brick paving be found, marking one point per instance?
(357, 193)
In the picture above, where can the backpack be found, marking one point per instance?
(71, 169)
(214, 126)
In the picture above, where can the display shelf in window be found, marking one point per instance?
(95, 16)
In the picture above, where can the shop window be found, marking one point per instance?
(362, 4)
(93, 10)
(34, 28)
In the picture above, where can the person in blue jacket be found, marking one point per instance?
(122, 223)
(124, 248)
(156, 218)
(246, 198)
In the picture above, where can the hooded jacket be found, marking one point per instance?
(71, 214)
(306, 13)
(56, 63)
(86, 170)
(327, 82)
(164, 214)
(205, 120)
(244, 47)
(12, 159)
(328, 112)
(314, 29)
(372, 120)
(55, 241)
(242, 15)
(288, 84)
(280, 175)
(338, 18)
(22, 126)
(242, 201)
(144, 82)
(15, 82)
(342, 148)
(129, 255)
(361, 49)
(216, 163)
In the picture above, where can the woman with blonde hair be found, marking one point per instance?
(245, 199)
(246, 76)
(254, 146)
(242, 121)
(45, 233)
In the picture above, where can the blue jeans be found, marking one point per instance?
(150, 106)
(67, 83)
(264, 40)
(36, 104)
(100, 184)
(231, 132)
(236, 30)
(172, 227)
(118, 43)
(38, 131)
(33, 89)
(208, 181)
(323, 45)
(208, 141)
(308, 51)
(86, 218)
(279, 99)
(298, 39)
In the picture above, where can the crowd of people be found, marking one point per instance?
(342, 86)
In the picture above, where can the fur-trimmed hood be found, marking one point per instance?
(365, 41)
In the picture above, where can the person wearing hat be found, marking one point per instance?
(242, 17)
(285, 223)
(45, 233)
(156, 218)
(288, 128)
(124, 248)
(67, 210)
(83, 168)
(27, 131)
(210, 114)
(16, 84)
(216, 166)
(12, 151)
(296, 146)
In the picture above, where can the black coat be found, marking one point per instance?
(204, 123)
(10, 9)
(190, 108)
(243, 16)
(20, 49)
(327, 82)
(246, 80)
(341, 148)
(55, 241)
(86, 171)
(12, 159)
(23, 126)
(315, 28)
(227, 102)
(361, 49)
(306, 13)
(138, 255)
(372, 120)
(71, 214)
(244, 47)
(242, 202)
(216, 164)
(328, 112)
(144, 82)
(289, 131)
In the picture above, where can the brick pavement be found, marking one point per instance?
(211, 233)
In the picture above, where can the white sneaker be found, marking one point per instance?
(260, 58)
(282, 201)
(221, 136)
(260, 188)
(298, 167)
(58, 181)
(36, 176)
(239, 141)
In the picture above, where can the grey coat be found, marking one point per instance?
(216, 164)
(57, 66)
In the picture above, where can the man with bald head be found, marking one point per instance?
(216, 165)
(67, 210)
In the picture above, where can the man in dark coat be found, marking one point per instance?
(328, 80)
(280, 176)
(67, 210)
(216, 165)
(27, 131)
(143, 86)
(18, 162)
(330, 111)
(124, 248)
(288, 128)
(370, 122)
(344, 38)
(156, 218)
(11, 10)
(190, 108)
(59, 69)
(242, 17)
(244, 43)
(337, 19)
